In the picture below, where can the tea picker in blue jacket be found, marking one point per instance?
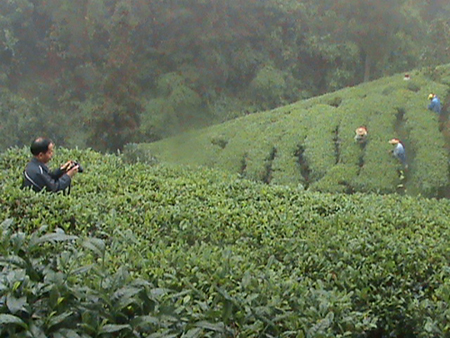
(435, 104)
(399, 151)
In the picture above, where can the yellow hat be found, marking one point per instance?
(394, 141)
(430, 97)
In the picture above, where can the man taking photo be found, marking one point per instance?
(38, 176)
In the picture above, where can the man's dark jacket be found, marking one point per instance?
(38, 176)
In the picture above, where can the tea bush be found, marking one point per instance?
(172, 251)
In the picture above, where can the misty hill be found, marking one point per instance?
(310, 143)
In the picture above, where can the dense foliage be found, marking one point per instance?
(310, 143)
(104, 73)
(161, 251)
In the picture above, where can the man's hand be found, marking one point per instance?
(69, 168)
(66, 165)
(71, 172)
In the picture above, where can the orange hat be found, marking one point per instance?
(361, 131)
(394, 141)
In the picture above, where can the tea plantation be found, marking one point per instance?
(165, 251)
(310, 143)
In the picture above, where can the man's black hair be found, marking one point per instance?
(40, 145)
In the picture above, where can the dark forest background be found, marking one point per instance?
(103, 73)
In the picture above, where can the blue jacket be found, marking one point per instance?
(399, 152)
(435, 105)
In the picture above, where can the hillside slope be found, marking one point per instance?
(310, 143)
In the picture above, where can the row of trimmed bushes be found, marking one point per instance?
(266, 146)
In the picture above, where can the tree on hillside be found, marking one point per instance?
(327, 61)
(114, 120)
(19, 37)
(436, 47)
(372, 25)
(201, 40)
(22, 121)
(231, 56)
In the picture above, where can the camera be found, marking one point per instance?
(74, 164)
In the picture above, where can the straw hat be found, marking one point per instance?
(394, 141)
(362, 131)
(431, 96)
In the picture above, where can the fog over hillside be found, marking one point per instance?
(100, 74)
